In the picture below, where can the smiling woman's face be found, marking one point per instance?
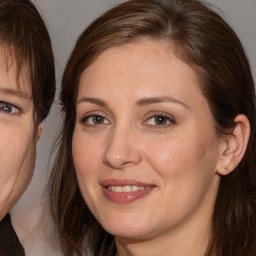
(17, 135)
(145, 148)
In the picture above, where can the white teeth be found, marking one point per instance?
(128, 188)
(135, 188)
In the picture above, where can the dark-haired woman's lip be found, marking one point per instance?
(125, 191)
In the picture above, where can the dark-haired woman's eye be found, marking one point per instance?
(162, 120)
(8, 108)
(94, 120)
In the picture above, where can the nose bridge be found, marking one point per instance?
(122, 149)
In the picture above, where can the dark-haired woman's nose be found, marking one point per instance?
(122, 149)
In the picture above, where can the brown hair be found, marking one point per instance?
(202, 39)
(24, 36)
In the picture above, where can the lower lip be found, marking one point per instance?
(125, 198)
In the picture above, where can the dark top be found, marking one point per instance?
(9, 241)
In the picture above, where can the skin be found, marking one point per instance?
(18, 135)
(180, 157)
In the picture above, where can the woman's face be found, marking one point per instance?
(145, 147)
(17, 134)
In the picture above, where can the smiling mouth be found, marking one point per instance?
(127, 188)
(125, 191)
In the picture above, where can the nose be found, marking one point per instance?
(122, 149)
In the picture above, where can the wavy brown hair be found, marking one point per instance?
(203, 40)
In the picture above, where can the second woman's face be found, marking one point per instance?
(145, 147)
(17, 132)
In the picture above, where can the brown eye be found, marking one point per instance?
(98, 119)
(160, 120)
(92, 120)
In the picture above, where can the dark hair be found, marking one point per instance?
(202, 39)
(25, 38)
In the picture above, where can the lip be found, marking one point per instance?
(128, 197)
(126, 182)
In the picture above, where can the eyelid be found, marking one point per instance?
(91, 114)
(18, 110)
(153, 114)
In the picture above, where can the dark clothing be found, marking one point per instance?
(9, 241)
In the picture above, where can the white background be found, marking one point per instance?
(66, 19)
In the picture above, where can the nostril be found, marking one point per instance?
(121, 151)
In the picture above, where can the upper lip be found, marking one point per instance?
(125, 182)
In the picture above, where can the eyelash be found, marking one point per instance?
(6, 105)
(85, 119)
(167, 119)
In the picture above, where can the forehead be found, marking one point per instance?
(147, 66)
(14, 74)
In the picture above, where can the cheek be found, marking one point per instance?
(186, 167)
(27, 166)
(17, 159)
(14, 144)
(168, 157)
(87, 156)
(190, 157)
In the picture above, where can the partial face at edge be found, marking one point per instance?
(17, 135)
(143, 124)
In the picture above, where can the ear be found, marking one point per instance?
(233, 145)
(39, 131)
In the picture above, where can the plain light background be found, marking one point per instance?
(65, 20)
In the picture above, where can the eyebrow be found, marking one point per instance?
(93, 101)
(141, 102)
(15, 93)
(154, 100)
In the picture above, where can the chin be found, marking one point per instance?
(128, 227)
(131, 233)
